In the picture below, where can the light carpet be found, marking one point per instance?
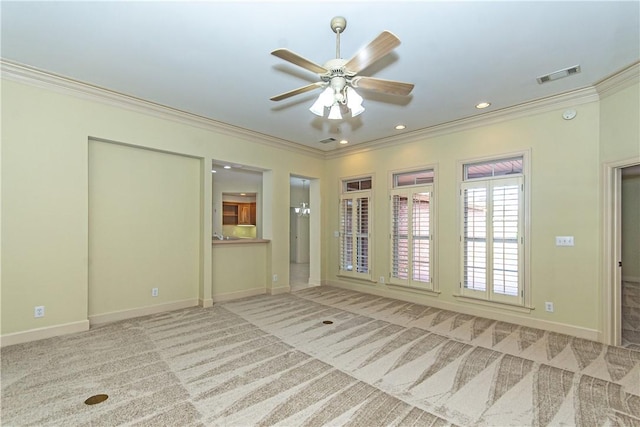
(270, 360)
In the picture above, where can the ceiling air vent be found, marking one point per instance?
(326, 141)
(559, 74)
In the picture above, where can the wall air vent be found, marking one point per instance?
(327, 140)
(559, 74)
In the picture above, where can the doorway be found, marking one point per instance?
(300, 217)
(630, 256)
(621, 297)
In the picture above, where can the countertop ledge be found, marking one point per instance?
(238, 241)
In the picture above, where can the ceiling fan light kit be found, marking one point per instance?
(339, 76)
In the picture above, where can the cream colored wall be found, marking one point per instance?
(619, 130)
(144, 227)
(563, 201)
(45, 134)
(239, 270)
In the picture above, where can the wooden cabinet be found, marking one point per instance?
(238, 213)
(229, 213)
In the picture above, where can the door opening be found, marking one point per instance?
(621, 253)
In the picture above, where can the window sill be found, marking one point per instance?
(415, 289)
(495, 304)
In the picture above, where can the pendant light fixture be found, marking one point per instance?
(303, 210)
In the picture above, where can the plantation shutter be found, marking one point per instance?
(421, 237)
(492, 225)
(506, 229)
(362, 224)
(410, 236)
(400, 237)
(346, 234)
(474, 226)
(354, 235)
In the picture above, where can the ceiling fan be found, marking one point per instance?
(339, 77)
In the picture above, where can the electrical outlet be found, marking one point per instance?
(564, 240)
(382, 279)
(275, 277)
(38, 311)
(154, 292)
(548, 306)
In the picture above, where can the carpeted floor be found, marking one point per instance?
(270, 360)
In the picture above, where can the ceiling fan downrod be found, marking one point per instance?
(338, 25)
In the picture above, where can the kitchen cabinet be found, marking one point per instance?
(238, 213)
(229, 213)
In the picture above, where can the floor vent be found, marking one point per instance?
(98, 398)
(559, 74)
(327, 140)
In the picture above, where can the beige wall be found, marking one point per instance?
(619, 129)
(45, 187)
(562, 187)
(45, 200)
(144, 228)
(239, 270)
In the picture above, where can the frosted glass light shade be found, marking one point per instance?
(354, 102)
(324, 100)
(334, 113)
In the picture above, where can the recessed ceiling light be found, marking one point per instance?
(213, 171)
(482, 105)
(227, 167)
(243, 194)
(400, 127)
(344, 141)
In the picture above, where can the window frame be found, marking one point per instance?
(523, 301)
(354, 196)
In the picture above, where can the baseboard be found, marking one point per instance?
(42, 333)
(205, 303)
(238, 294)
(280, 290)
(115, 316)
(315, 282)
(504, 316)
(301, 287)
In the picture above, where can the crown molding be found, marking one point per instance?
(619, 81)
(608, 86)
(564, 100)
(34, 77)
(39, 78)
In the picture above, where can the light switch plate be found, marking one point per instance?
(564, 240)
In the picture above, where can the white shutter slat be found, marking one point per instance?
(474, 238)
(421, 243)
(506, 206)
(399, 237)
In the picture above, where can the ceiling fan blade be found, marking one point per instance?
(375, 50)
(298, 60)
(381, 85)
(298, 91)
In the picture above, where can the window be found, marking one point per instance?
(411, 229)
(355, 217)
(492, 231)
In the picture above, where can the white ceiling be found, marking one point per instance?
(213, 58)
